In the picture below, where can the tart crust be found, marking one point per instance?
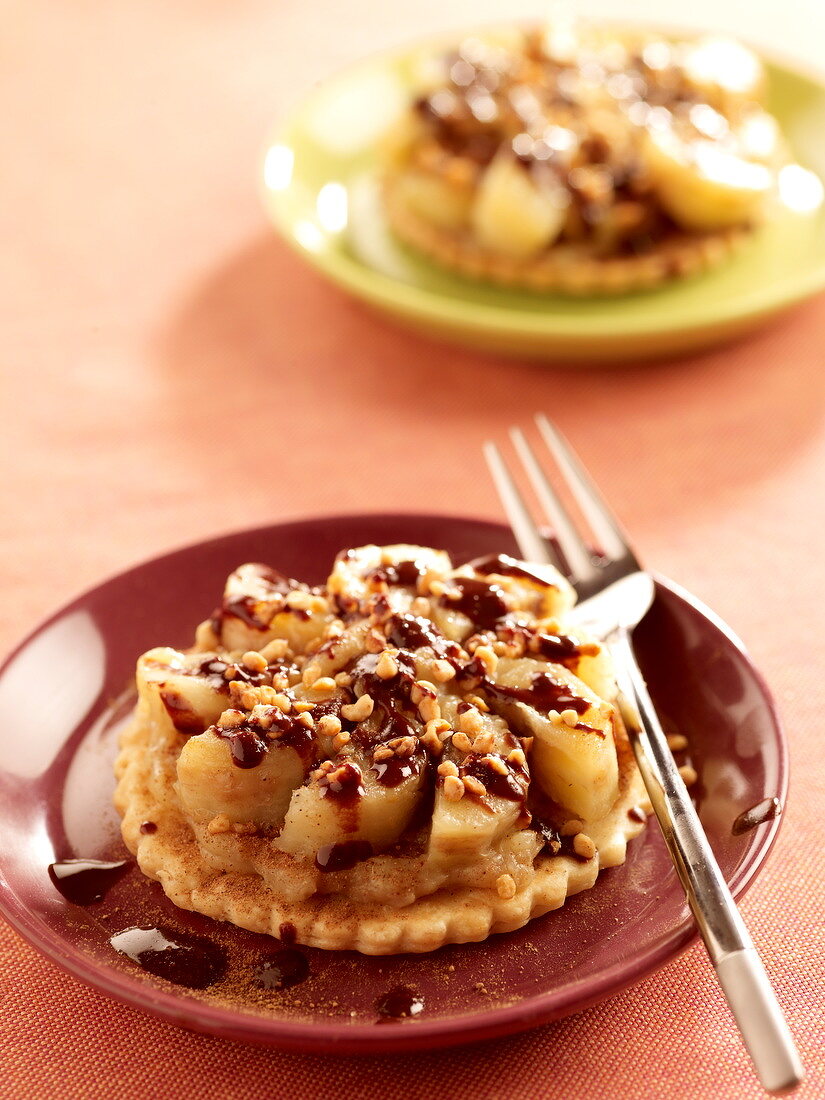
(569, 268)
(174, 857)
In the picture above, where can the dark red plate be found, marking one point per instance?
(64, 693)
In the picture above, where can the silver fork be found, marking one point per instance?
(615, 594)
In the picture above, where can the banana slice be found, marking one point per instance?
(702, 185)
(353, 806)
(481, 794)
(514, 216)
(211, 784)
(182, 692)
(442, 202)
(400, 566)
(539, 589)
(723, 71)
(261, 604)
(573, 759)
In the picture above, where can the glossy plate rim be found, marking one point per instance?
(346, 1038)
(427, 309)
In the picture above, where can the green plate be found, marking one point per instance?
(320, 186)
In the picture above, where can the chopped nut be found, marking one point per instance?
(375, 641)
(571, 827)
(403, 746)
(325, 684)
(570, 717)
(425, 582)
(422, 689)
(262, 715)
(688, 774)
(443, 671)
(283, 702)
(527, 743)
(300, 706)
(387, 666)
(339, 740)
(420, 606)
(280, 682)
(307, 720)
(478, 702)
(506, 887)
(383, 752)
(299, 600)
(359, 710)
(471, 722)
(496, 764)
(473, 785)
(447, 768)
(310, 675)
(343, 679)
(554, 717)
(231, 719)
(453, 788)
(429, 710)
(432, 741)
(249, 699)
(583, 846)
(437, 587)
(462, 742)
(517, 757)
(677, 742)
(275, 649)
(244, 828)
(329, 725)
(254, 661)
(488, 658)
(219, 824)
(484, 743)
(440, 727)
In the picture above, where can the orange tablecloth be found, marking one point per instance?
(169, 370)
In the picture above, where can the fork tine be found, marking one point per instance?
(531, 544)
(611, 539)
(573, 547)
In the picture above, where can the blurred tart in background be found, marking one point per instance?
(587, 162)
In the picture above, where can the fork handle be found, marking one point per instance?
(738, 967)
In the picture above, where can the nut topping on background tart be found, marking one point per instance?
(600, 163)
(408, 756)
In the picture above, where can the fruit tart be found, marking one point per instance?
(596, 162)
(410, 755)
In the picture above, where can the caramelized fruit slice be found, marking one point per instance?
(574, 762)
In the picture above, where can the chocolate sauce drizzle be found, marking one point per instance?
(343, 856)
(250, 742)
(179, 957)
(256, 611)
(400, 1003)
(510, 785)
(283, 969)
(762, 812)
(87, 881)
(481, 601)
(544, 693)
(505, 566)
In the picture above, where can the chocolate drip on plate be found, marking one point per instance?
(86, 881)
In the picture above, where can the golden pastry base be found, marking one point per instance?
(567, 269)
(192, 869)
